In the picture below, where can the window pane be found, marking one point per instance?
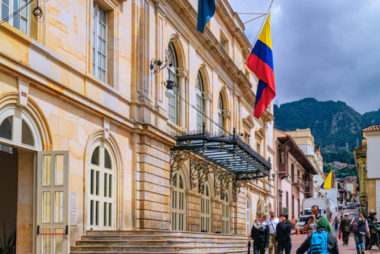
(46, 241)
(46, 171)
(107, 159)
(59, 169)
(92, 181)
(97, 183)
(110, 214)
(58, 207)
(5, 9)
(58, 241)
(6, 128)
(46, 206)
(23, 25)
(105, 214)
(110, 186)
(97, 213)
(105, 185)
(92, 212)
(95, 156)
(27, 136)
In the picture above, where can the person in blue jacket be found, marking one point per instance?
(322, 241)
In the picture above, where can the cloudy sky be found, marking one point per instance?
(327, 49)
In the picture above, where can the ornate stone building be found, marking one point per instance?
(295, 175)
(118, 115)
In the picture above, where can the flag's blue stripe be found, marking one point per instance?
(262, 51)
(260, 88)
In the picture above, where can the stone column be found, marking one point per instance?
(183, 90)
(193, 211)
(216, 215)
(207, 97)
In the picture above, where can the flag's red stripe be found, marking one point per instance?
(266, 97)
(262, 71)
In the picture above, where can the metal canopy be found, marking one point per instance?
(230, 153)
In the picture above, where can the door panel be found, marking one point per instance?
(52, 218)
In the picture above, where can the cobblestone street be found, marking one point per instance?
(350, 249)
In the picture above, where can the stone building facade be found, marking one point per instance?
(305, 140)
(295, 175)
(367, 164)
(86, 123)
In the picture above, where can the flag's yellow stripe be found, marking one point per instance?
(328, 180)
(265, 33)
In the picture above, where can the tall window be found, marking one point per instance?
(220, 114)
(101, 188)
(20, 20)
(225, 213)
(248, 217)
(200, 102)
(100, 42)
(178, 202)
(173, 107)
(205, 208)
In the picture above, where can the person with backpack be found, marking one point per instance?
(260, 235)
(359, 227)
(320, 242)
(345, 228)
(283, 231)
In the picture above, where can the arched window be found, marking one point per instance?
(200, 102)
(18, 128)
(220, 114)
(225, 213)
(178, 202)
(248, 217)
(173, 106)
(205, 208)
(101, 188)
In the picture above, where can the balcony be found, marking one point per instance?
(298, 182)
(308, 191)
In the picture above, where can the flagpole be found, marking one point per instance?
(262, 24)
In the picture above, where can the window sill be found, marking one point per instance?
(175, 128)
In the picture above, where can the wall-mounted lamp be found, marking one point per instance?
(170, 85)
(157, 65)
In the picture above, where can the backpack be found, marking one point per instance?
(318, 243)
(354, 227)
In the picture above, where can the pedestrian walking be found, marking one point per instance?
(272, 224)
(322, 241)
(345, 228)
(311, 225)
(336, 222)
(359, 226)
(283, 231)
(260, 235)
(372, 220)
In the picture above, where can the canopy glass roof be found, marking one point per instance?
(230, 153)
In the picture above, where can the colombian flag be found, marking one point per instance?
(260, 62)
(326, 185)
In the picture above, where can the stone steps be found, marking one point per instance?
(145, 241)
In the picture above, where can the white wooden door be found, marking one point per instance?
(52, 232)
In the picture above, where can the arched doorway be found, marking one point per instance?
(36, 181)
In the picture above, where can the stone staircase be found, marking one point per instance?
(158, 242)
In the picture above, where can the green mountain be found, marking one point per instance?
(336, 127)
